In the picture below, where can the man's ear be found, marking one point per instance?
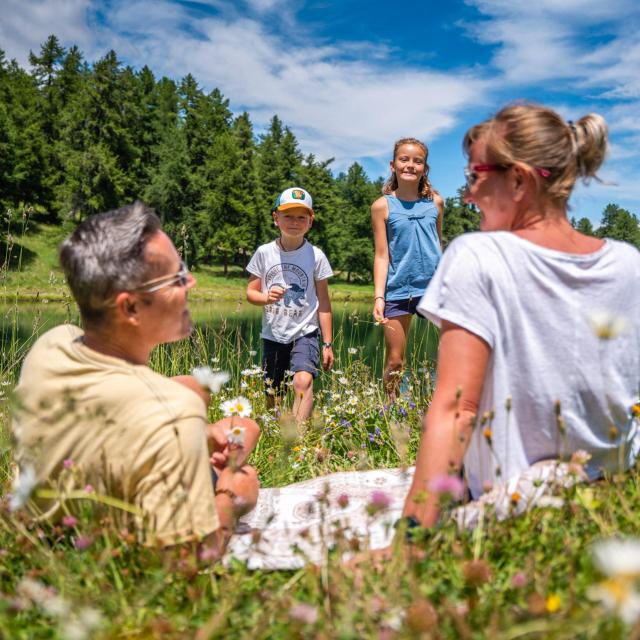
(127, 306)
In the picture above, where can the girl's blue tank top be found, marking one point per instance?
(414, 247)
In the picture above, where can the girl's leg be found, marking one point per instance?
(303, 390)
(396, 331)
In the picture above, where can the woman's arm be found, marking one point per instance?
(379, 213)
(439, 202)
(447, 425)
(325, 320)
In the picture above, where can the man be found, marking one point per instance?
(90, 411)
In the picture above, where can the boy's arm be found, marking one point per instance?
(326, 322)
(255, 294)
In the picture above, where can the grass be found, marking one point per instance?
(31, 270)
(525, 577)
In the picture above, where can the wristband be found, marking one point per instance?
(381, 298)
(326, 345)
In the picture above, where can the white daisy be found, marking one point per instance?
(239, 406)
(212, 380)
(22, 487)
(606, 325)
(236, 436)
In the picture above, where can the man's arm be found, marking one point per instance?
(326, 322)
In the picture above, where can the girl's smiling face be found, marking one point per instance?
(409, 165)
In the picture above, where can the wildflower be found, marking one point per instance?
(343, 380)
(343, 500)
(519, 580)
(618, 556)
(580, 457)
(607, 326)
(378, 501)
(447, 486)
(22, 487)
(553, 602)
(88, 488)
(488, 434)
(82, 542)
(421, 616)
(619, 559)
(69, 521)
(337, 372)
(236, 436)
(476, 572)
(305, 613)
(239, 406)
(635, 410)
(352, 351)
(209, 379)
(553, 502)
(353, 401)
(67, 463)
(253, 353)
(214, 360)
(514, 498)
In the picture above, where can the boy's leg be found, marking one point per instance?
(303, 402)
(305, 361)
(275, 361)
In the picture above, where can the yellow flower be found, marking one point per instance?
(553, 602)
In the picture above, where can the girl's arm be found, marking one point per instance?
(447, 426)
(379, 213)
(326, 321)
(437, 198)
(255, 294)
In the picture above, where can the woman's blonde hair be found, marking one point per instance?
(556, 152)
(425, 190)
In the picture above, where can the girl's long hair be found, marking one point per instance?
(425, 190)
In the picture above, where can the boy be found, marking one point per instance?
(289, 279)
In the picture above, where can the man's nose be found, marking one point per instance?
(466, 196)
(191, 280)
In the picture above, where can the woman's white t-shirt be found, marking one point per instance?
(536, 308)
(295, 315)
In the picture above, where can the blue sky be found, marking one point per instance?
(349, 76)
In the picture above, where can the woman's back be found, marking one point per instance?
(536, 309)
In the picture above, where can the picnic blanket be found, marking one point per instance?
(299, 523)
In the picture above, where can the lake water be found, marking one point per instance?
(228, 332)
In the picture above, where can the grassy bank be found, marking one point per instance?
(32, 272)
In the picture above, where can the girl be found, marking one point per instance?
(407, 232)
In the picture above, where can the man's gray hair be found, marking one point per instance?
(105, 255)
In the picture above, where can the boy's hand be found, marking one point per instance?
(275, 293)
(327, 358)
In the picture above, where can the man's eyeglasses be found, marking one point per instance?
(471, 172)
(180, 279)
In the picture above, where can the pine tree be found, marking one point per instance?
(619, 224)
(458, 218)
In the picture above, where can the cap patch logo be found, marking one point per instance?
(297, 194)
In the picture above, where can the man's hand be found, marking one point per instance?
(275, 294)
(327, 358)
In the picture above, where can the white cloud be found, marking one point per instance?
(25, 26)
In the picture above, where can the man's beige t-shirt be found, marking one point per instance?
(131, 433)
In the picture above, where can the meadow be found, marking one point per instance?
(534, 576)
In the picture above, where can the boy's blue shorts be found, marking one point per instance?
(303, 354)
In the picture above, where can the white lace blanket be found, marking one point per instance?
(296, 524)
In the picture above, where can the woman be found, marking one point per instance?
(407, 232)
(540, 332)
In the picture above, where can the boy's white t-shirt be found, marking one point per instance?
(295, 315)
(535, 308)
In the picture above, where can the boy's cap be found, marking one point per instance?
(293, 197)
